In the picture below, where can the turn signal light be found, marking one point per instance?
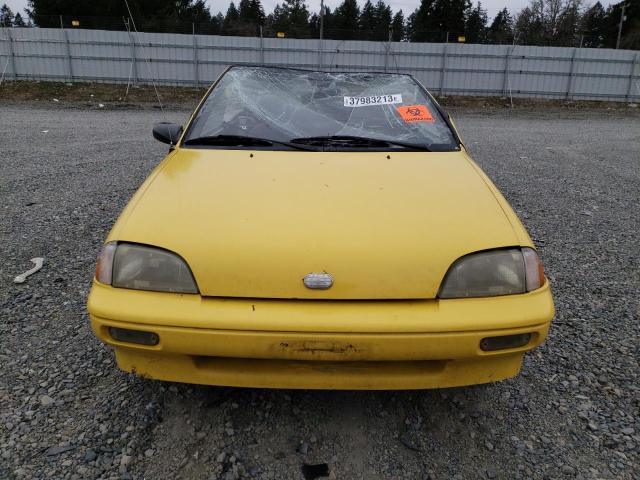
(490, 344)
(533, 268)
(134, 336)
(104, 266)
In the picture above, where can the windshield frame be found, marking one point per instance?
(445, 116)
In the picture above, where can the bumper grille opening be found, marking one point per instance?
(490, 344)
(134, 336)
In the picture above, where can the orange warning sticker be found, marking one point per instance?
(415, 113)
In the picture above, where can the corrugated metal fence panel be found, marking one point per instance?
(6, 63)
(209, 68)
(290, 52)
(423, 60)
(102, 56)
(541, 71)
(359, 55)
(445, 69)
(41, 54)
(240, 50)
(164, 58)
(478, 69)
(600, 73)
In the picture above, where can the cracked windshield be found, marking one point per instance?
(303, 107)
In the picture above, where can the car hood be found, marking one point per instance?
(254, 223)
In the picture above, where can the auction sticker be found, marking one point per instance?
(372, 100)
(415, 113)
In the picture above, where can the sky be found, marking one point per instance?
(408, 6)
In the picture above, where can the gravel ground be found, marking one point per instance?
(67, 412)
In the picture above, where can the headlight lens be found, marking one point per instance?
(140, 267)
(493, 273)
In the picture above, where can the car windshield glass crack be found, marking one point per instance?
(282, 104)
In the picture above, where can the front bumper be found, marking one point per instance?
(320, 344)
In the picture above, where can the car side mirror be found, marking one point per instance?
(166, 132)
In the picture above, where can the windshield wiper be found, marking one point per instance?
(242, 141)
(357, 142)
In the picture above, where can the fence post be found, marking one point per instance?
(320, 42)
(12, 57)
(634, 62)
(443, 71)
(261, 47)
(70, 61)
(134, 66)
(505, 80)
(196, 69)
(570, 82)
(388, 50)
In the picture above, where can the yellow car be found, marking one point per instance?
(319, 230)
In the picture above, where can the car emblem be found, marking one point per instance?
(318, 281)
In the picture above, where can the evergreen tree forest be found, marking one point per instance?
(542, 22)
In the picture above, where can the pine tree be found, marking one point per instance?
(421, 26)
(592, 26)
(217, 23)
(383, 18)
(298, 14)
(18, 21)
(196, 12)
(277, 20)
(434, 19)
(529, 27)
(231, 20)
(6, 16)
(329, 22)
(314, 24)
(476, 25)
(346, 18)
(501, 29)
(149, 15)
(398, 27)
(251, 12)
(290, 17)
(367, 21)
(565, 32)
(449, 16)
(250, 17)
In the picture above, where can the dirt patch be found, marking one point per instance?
(97, 94)
(117, 95)
(466, 102)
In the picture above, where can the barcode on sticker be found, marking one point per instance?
(372, 100)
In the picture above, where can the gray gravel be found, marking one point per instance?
(67, 412)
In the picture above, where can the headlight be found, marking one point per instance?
(127, 265)
(496, 272)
